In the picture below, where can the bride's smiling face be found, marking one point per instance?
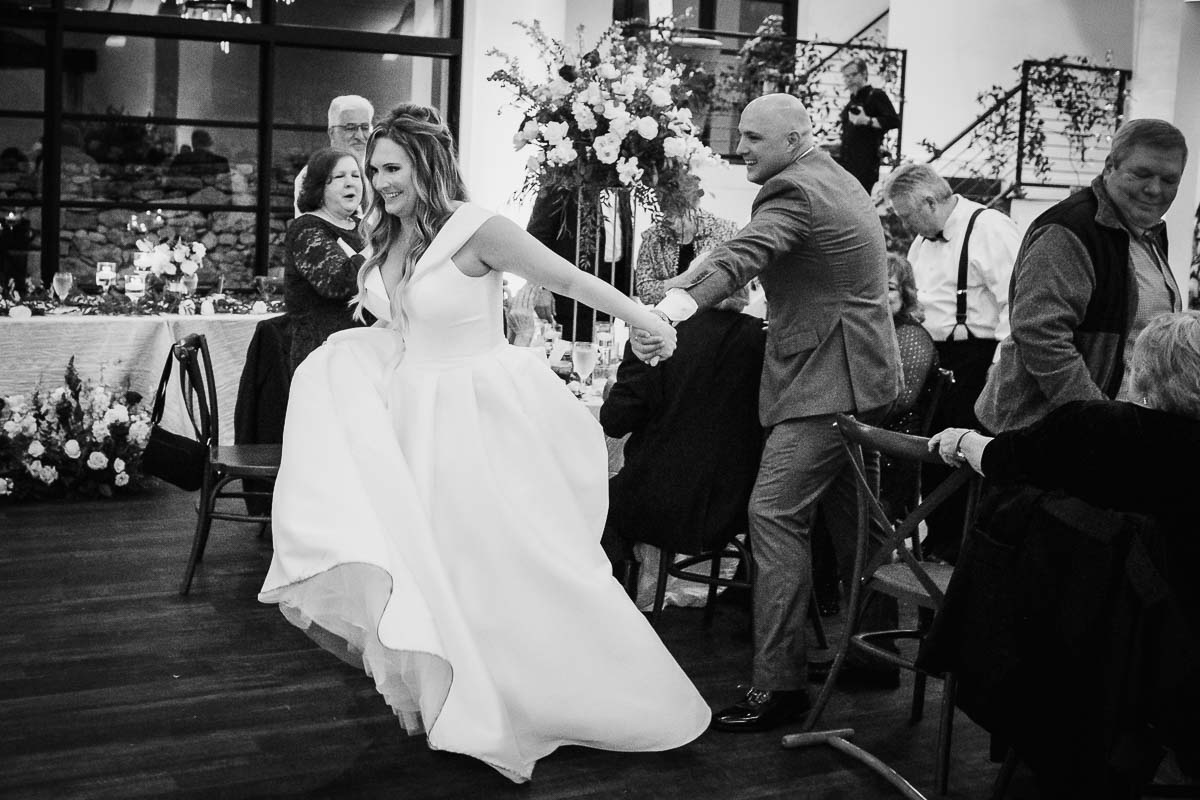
(391, 172)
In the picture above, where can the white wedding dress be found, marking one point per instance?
(437, 522)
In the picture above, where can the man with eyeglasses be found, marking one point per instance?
(350, 120)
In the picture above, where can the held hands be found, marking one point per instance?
(653, 344)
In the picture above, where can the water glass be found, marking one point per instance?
(61, 284)
(604, 341)
(583, 359)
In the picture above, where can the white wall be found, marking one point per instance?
(958, 48)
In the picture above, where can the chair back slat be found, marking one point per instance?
(883, 538)
(198, 386)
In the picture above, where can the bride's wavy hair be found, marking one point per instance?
(425, 139)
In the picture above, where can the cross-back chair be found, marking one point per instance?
(224, 464)
(884, 563)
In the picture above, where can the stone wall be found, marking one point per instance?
(89, 235)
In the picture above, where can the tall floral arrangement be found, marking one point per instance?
(615, 115)
(77, 439)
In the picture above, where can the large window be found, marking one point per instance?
(183, 114)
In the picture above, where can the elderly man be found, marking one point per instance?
(815, 242)
(1091, 272)
(868, 115)
(962, 260)
(350, 119)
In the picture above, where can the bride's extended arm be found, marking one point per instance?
(503, 246)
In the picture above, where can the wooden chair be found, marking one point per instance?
(883, 563)
(681, 569)
(225, 463)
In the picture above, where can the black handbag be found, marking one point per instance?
(178, 460)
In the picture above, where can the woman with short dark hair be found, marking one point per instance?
(323, 251)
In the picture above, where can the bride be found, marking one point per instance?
(438, 511)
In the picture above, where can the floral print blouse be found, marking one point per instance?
(658, 258)
(319, 279)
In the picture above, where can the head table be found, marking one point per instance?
(125, 350)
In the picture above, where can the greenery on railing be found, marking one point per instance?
(1086, 96)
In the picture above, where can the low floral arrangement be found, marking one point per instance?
(167, 258)
(77, 440)
(615, 115)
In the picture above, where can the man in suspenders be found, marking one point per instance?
(963, 260)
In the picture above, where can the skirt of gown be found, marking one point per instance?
(438, 525)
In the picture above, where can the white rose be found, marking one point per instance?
(674, 147)
(584, 117)
(555, 132)
(49, 475)
(535, 161)
(71, 448)
(29, 426)
(620, 126)
(57, 395)
(628, 170)
(188, 267)
(12, 427)
(16, 404)
(117, 413)
(647, 127)
(258, 307)
(121, 479)
(139, 432)
(199, 251)
(99, 430)
(607, 71)
(34, 468)
(180, 253)
(559, 89)
(97, 460)
(36, 449)
(562, 153)
(118, 465)
(607, 148)
(659, 96)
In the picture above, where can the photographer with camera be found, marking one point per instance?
(865, 119)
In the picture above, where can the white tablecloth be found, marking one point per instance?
(114, 350)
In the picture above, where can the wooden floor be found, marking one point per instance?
(112, 685)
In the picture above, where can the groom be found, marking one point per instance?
(815, 242)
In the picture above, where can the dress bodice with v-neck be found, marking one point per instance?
(450, 315)
(437, 521)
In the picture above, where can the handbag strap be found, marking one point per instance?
(960, 293)
(160, 394)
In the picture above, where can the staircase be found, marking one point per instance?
(1038, 140)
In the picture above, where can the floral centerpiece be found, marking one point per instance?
(166, 258)
(76, 440)
(616, 115)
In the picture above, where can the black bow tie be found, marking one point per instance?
(937, 237)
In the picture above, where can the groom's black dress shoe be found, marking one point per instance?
(762, 710)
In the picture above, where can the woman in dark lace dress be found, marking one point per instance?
(324, 251)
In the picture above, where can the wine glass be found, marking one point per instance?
(583, 358)
(61, 283)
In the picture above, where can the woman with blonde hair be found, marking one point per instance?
(438, 511)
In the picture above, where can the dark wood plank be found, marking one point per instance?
(111, 685)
